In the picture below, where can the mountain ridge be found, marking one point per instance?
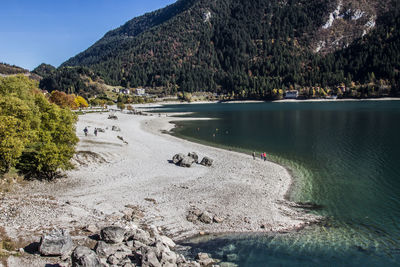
(230, 45)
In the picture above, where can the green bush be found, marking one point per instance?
(37, 137)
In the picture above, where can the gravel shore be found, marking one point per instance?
(131, 168)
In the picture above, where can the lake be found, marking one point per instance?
(344, 156)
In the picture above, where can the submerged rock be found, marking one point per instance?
(57, 243)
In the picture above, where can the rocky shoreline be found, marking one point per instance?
(128, 177)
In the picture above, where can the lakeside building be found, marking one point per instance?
(125, 91)
(292, 94)
(140, 91)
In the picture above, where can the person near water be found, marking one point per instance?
(265, 156)
(85, 131)
(95, 131)
(262, 156)
(254, 155)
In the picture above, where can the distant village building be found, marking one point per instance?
(140, 91)
(292, 94)
(115, 90)
(124, 91)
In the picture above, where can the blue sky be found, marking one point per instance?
(52, 31)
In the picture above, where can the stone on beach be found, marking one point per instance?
(186, 162)
(177, 158)
(206, 161)
(112, 234)
(194, 156)
(57, 243)
(115, 128)
(85, 257)
(206, 217)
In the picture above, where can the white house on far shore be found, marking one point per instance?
(125, 91)
(292, 94)
(140, 91)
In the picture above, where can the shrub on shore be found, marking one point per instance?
(36, 136)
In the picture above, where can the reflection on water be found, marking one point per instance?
(344, 156)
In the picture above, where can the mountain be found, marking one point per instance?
(8, 70)
(249, 48)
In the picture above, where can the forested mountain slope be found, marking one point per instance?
(251, 47)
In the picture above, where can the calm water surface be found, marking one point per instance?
(344, 156)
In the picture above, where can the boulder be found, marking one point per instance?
(113, 260)
(166, 241)
(104, 249)
(205, 260)
(177, 158)
(112, 234)
(218, 219)
(194, 156)
(91, 228)
(57, 243)
(206, 217)
(192, 218)
(168, 258)
(141, 236)
(150, 258)
(85, 257)
(112, 117)
(116, 128)
(186, 162)
(206, 161)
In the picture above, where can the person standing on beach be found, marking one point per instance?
(95, 131)
(254, 155)
(262, 155)
(265, 156)
(85, 131)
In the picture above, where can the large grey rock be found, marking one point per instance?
(177, 158)
(141, 236)
(204, 259)
(150, 258)
(206, 161)
(168, 258)
(104, 249)
(85, 257)
(115, 128)
(57, 243)
(186, 162)
(112, 234)
(194, 156)
(206, 217)
(166, 241)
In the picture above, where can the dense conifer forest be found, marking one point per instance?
(248, 49)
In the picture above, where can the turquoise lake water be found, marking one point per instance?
(344, 156)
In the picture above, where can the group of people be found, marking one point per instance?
(86, 131)
(263, 156)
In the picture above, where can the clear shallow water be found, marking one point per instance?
(344, 156)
